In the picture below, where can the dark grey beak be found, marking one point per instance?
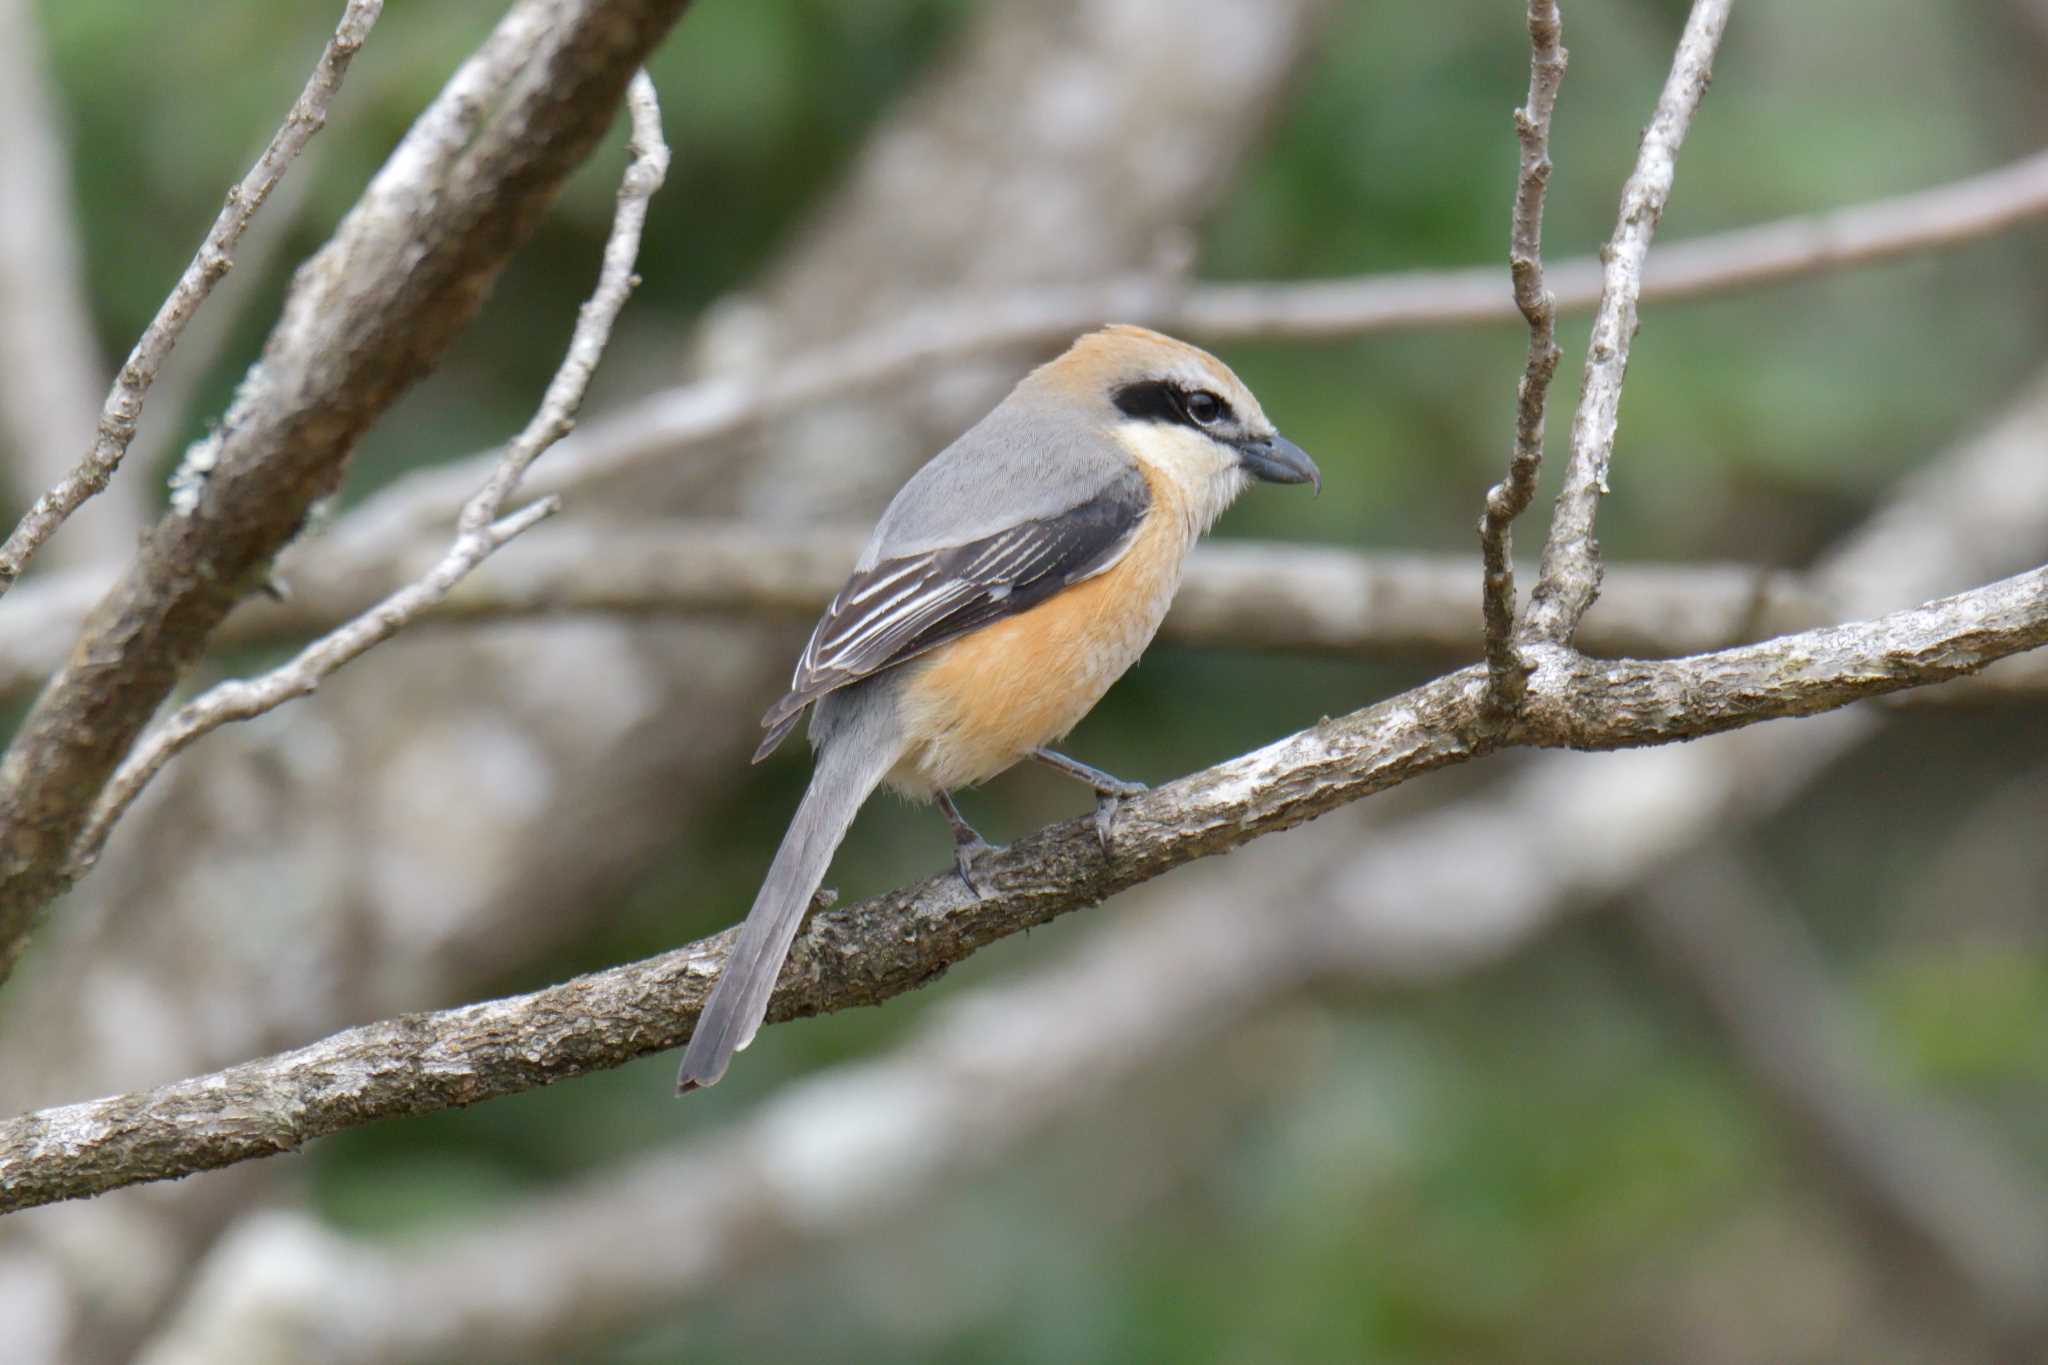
(1276, 459)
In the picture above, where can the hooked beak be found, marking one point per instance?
(1276, 459)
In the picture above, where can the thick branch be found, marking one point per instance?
(892, 944)
(367, 316)
(1506, 672)
(1571, 557)
(123, 407)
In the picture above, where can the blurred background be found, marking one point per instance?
(1730, 1052)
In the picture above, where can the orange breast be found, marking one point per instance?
(976, 706)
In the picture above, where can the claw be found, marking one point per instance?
(968, 845)
(1107, 802)
(1105, 816)
(965, 852)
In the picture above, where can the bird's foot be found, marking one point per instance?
(968, 845)
(1107, 802)
(1109, 791)
(966, 853)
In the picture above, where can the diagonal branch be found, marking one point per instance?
(482, 528)
(884, 947)
(366, 318)
(1507, 674)
(215, 257)
(1571, 557)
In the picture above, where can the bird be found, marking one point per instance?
(1009, 583)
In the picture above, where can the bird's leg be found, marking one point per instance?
(1109, 791)
(967, 841)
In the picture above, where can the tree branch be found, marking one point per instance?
(1507, 674)
(1237, 595)
(482, 528)
(367, 316)
(1710, 266)
(123, 407)
(884, 947)
(1571, 558)
(724, 407)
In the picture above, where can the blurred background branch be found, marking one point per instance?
(49, 365)
(1538, 1156)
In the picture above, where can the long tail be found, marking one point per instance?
(849, 766)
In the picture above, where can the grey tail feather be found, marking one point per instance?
(849, 768)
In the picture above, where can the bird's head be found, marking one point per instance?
(1179, 410)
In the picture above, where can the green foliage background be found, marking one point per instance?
(1551, 1161)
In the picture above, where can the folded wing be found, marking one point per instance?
(899, 608)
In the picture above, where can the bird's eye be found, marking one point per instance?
(1204, 408)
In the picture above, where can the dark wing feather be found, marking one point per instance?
(900, 608)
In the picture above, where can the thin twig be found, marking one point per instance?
(1571, 557)
(123, 407)
(481, 529)
(1507, 674)
(873, 951)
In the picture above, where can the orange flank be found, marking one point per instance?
(975, 706)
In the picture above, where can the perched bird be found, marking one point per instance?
(1010, 582)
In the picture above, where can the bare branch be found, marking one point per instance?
(366, 317)
(718, 409)
(1712, 266)
(1237, 595)
(1507, 674)
(1571, 558)
(482, 528)
(892, 944)
(123, 408)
